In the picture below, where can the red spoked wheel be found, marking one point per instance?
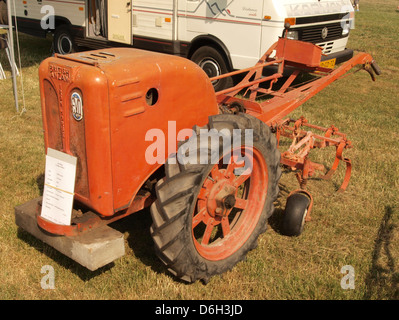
(229, 204)
(208, 215)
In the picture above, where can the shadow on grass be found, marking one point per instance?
(139, 239)
(136, 230)
(40, 183)
(275, 220)
(382, 281)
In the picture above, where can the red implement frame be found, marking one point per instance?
(273, 101)
(288, 96)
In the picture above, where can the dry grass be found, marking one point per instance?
(358, 228)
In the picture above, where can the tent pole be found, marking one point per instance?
(11, 47)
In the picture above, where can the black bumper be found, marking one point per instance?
(341, 56)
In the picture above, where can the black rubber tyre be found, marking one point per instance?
(295, 214)
(63, 41)
(178, 196)
(214, 64)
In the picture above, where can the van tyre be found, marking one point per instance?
(207, 217)
(214, 64)
(63, 41)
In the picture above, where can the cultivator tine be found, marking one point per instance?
(338, 158)
(297, 155)
(347, 175)
(330, 173)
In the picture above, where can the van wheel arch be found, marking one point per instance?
(210, 41)
(213, 58)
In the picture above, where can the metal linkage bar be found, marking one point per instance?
(273, 101)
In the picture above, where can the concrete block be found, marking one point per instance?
(92, 249)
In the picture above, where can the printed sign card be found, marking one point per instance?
(59, 187)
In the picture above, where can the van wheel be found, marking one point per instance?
(209, 214)
(214, 64)
(63, 41)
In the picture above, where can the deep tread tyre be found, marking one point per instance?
(214, 64)
(295, 214)
(190, 254)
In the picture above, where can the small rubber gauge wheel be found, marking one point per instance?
(295, 213)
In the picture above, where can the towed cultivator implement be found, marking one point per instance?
(273, 103)
(99, 107)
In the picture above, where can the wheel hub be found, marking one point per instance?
(229, 201)
(65, 45)
(222, 198)
(211, 68)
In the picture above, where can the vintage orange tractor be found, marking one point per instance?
(136, 122)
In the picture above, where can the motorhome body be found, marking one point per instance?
(219, 35)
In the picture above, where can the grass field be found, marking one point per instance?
(359, 228)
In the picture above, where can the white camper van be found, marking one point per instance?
(219, 35)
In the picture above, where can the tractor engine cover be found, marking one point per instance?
(99, 105)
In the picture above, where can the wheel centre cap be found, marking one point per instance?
(222, 198)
